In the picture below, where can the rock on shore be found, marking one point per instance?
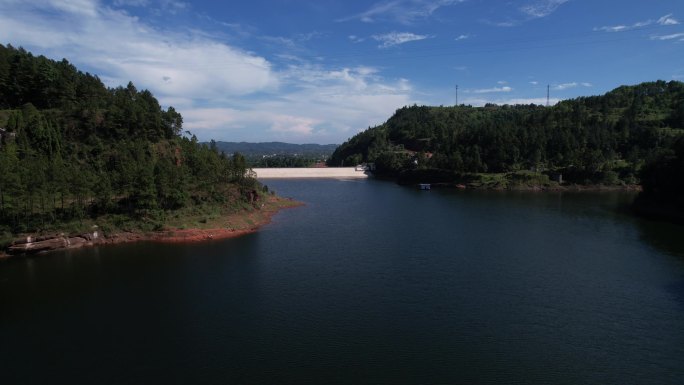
(32, 245)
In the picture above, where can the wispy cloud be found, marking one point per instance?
(622, 28)
(492, 90)
(131, 3)
(396, 38)
(663, 21)
(172, 6)
(356, 39)
(565, 86)
(542, 8)
(530, 10)
(668, 37)
(402, 11)
(668, 20)
(294, 42)
(462, 37)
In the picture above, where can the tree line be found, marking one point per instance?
(71, 148)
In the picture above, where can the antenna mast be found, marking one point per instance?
(457, 95)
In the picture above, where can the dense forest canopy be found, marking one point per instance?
(597, 139)
(71, 148)
(662, 180)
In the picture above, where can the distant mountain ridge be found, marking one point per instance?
(277, 148)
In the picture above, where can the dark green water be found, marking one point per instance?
(368, 283)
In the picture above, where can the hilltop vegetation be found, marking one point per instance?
(589, 140)
(75, 153)
(278, 154)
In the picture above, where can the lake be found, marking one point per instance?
(368, 283)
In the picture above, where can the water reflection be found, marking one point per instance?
(368, 283)
(665, 237)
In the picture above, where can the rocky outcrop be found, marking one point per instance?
(32, 245)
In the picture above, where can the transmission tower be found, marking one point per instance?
(457, 95)
(548, 88)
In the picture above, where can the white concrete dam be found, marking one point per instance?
(324, 172)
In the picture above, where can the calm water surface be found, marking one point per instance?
(368, 283)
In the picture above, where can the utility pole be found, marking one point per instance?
(456, 95)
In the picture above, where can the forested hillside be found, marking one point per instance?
(73, 150)
(599, 139)
(663, 185)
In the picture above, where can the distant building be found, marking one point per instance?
(5, 135)
(365, 167)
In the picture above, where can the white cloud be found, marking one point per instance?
(396, 38)
(664, 21)
(565, 86)
(615, 28)
(223, 92)
(668, 20)
(462, 37)
(315, 104)
(668, 37)
(321, 105)
(402, 11)
(293, 124)
(493, 90)
(534, 82)
(542, 8)
(121, 48)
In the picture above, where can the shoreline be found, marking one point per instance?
(538, 188)
(251, 221)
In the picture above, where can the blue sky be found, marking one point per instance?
(319, 71)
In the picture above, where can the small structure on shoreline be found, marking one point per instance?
(5, 135)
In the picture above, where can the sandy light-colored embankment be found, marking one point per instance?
(326, 172)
